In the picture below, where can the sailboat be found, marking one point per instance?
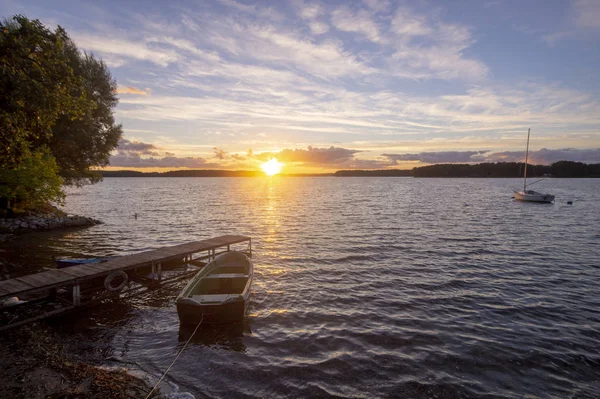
(530, 195)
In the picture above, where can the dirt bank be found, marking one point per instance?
(33, 365)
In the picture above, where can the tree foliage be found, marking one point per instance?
(56, 109)
(509, 169)
(85, 143)
(34, 183)
(36, 87)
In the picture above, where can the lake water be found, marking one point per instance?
(364, 287)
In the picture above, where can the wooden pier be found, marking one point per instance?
(145, 268)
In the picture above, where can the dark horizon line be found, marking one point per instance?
(484, 169)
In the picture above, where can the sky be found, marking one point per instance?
(327, 85)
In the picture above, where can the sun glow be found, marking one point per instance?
(271, 167)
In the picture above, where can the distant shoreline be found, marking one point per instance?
(482, 170)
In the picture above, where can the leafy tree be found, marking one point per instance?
(82, 144)
(56, 112)
(36, 86)
(34, 183)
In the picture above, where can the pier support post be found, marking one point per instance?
(159, 272)
(76, 295)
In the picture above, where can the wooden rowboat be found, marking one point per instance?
(219, 292)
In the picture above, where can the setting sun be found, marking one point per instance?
(271, 167)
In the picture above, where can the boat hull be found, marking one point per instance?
(534, 197)
(219, 292)
(212, 314)
(62, 263)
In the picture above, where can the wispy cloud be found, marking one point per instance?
(132, 90)
(137, 147)
(308, 10)
(548, 156)
(136, 161)
(441, 56)
(552, 38)
(344, 19)
(136, 154)
(120, 49)
(378, 5)
(439, 157)
(319, 156)
(587, 13)
(375, 76)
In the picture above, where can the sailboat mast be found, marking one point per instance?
(526, 156)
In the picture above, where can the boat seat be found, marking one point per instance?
(213, 298)
(227, 275)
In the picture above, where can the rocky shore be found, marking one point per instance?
(24, 224)
(34, 365)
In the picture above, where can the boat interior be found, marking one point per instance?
(231, 283)
(222, 282)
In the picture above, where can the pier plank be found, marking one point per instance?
(50, 277)
(8, 287)
(80, 271)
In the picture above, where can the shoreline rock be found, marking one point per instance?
(34, 365)
(29, 223)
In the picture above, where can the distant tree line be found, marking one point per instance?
(199, 173)
(182, 173)
(500, 169)
(509, 169)
(56, 114)
(374, 173)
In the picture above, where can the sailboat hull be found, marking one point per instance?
(533, 196)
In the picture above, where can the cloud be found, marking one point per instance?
(120, 49)
(262, 12)
(318, 28)
(308, 11)
(408, 24)
(433, 49)
(328, 158)
(238, 157)
(132, 90)
(127, 146)
(548, 156)
(587, 13)
(312, 155)
(364, 72)
(136, 154)
(220, 153)
(439, 157)
(135, 161)
(542, 156)
(552, 38)
(346, 20)
(378, 5)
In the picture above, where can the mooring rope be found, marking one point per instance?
(176, 357)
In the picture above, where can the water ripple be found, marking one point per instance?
(393, 287)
